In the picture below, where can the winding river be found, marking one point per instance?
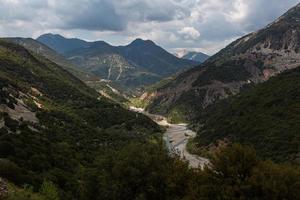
(176, 138)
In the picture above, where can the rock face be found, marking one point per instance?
(196, 56)
(253, 58)
(3, 189)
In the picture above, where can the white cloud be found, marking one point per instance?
(189, 33)
(239, 12)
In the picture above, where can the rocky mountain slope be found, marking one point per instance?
(105, 87)
(265, 116)
(45, 51)
(137, 64)
(52, 126)
(251, 59)
(196, 56)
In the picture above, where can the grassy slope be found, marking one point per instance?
(266, 117)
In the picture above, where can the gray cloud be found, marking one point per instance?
(89, 15)
(207, 25)
(114, 15)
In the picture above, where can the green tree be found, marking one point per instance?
(237, 173)
(25, 193)
(49, 191)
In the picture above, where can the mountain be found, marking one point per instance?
(265, 116)
(45, 51)
(196, 56)
(155, 59)
(104, 87)
(60, 44)
(253, 58)
(139, 63)
(53, 126)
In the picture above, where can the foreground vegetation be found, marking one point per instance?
(235, 173)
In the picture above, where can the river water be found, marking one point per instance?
(176, 138)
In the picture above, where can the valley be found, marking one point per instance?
(176, 138)
(86, 119)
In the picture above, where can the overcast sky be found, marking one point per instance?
(204, 25)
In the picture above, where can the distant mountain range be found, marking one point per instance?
(140, 63)
(192, 55)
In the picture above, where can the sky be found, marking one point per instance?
(200, 25)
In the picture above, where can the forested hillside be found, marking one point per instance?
(266, 116)
(53, 126)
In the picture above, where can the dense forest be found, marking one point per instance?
(145, 171)
(265, 116)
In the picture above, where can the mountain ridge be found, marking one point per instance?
(139, 63)
(253, 58)
(195, 56)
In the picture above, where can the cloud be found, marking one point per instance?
(88, 15)
(189, 33)
(114, 15)
(193, 24)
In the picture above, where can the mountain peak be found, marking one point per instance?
(140, 42)
(251, 59)
(61, 44)
(195, 56)
(50, 36)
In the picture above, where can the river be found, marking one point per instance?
(176, 138)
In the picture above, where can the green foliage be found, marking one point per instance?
(176, 116)
(138, 103)
(118, 96)
(49, 191)
(236, 173)
(25, 193)
(11, 171)
(229, 71)
(183, 109)
(134, 174)
(265, 117)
